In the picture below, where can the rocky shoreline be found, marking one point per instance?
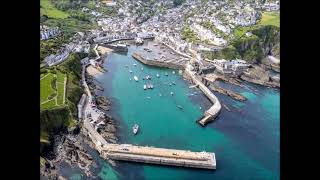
(69, 147)
(230, 93)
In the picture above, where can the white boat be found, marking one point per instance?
(135, 129)
(142, 69)
(171, 93)
(136, 78)
(173, 83)
(173, 72)
(180, 107)
(130, 79)
(144, 87)
(130, 71)
(134, 64)
(148, 97)
(151, 86)
(166, 74)
(158, 75)
(160, 94)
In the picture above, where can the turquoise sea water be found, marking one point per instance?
(245, 140)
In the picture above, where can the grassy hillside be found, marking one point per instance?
(270, 18)
(48, 9)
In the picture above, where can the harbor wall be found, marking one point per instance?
(171, 65)
(212, 112)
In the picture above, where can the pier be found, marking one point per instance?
(212, 112)
(150, 155)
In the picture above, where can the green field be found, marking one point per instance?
(48, 9)
(270, 18)
(46, 90)
(45, 87)
(60, 88)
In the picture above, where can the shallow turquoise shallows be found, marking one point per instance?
(245, 140)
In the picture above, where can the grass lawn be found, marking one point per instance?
(48, 9)
(45, 87)
(49, 104)
(270, 18)
(60, 77)
(46, 90)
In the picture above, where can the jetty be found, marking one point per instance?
(150, 155)
(212, 112)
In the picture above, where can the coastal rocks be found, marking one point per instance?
(72, 152)
(230, 93)
(103, 103)
(258, 75)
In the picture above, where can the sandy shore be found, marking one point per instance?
(104, 50)
(93, 71)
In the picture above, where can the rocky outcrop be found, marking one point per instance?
(230, 93)
(103, 103)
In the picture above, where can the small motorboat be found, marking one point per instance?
(148, 97)
(130, 79)
(135, 64)
(171, 93)
(136, 78)
(160, 94)
(144, 87)
(170, 84)
(173, 72)
(180, 107)
(158, 75)
(135, 129)
(151, 86)
(130, 71)
(142, 69)
(166, 74)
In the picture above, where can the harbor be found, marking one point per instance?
(163, 124)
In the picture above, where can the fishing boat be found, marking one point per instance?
(158, 75)
(135, 129)
(136, 78)
(144, 87)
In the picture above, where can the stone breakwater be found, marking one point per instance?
(212, 112)
(158, 63)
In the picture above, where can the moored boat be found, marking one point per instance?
(136, 78)
(135, 129)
